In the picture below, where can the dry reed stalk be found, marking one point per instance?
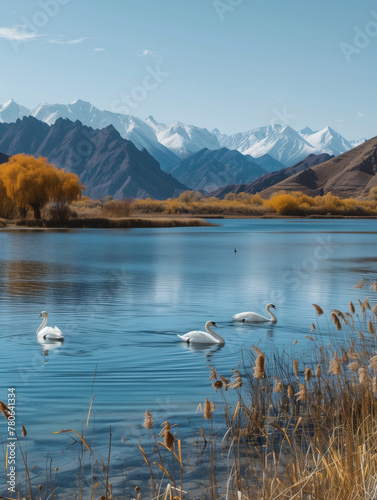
(366, 303)
(237, 382)
(278, 385)
(354, 366)
(362, 307)
(336, 321)
(4, 409)
(225, 382)
(361, 336)
(207, 409)
(308, 374)
(148, 420)
(361, 284)
(351, 351)
(373, 363)
(212, 375)
(363, 375)
(318, 371)
(334, 366)
(217, 385)
(165, 427)
(23, 431)
(374, 384)
(318, 309)
(295, 367)
(290, 392)
(313, 327)
(352, 307)
(302, 393)
(371, 328)
(345, 358)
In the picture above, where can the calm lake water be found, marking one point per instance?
(121, 296)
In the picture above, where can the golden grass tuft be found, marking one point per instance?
(237, 382)
(212, 375)
(295, 367)
(23, 431)
(352, 307)
(148, 420)
(217, 385)
(278, 385)
(207, 412)
(4, 409)
(336, 321)
(334, 365)
(318, 309)
(302, 393)
(371, 328)
(169, 439)
(259, 364)
(360, 284)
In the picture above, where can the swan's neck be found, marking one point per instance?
(273, 317)
(218, 337)
(43, 324)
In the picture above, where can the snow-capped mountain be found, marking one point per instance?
(11, 111)
(358, 142)
(279, 141)
(326, 141)
(182, 139)
(131, 128)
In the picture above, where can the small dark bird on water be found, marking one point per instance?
(235, 250)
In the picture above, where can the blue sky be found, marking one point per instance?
(230, 64)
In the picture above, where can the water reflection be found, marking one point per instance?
(49, 345)
(208, 349)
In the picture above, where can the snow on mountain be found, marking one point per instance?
(131, 128)
(326, 141)
(183, 139)
(279, 141)
(11, 111)
(358, 142)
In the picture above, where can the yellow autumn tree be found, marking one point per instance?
(32, 182)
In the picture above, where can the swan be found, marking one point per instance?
(251, 317)
(46, 332)
(207, 337)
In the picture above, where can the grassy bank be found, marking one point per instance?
(300, 424)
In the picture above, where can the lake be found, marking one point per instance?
(122, 296)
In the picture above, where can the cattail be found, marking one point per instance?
(290, 392)
(302, 392)
(4, 409)
(318, 309)
(371, 328)
(225, 382)
(278, 385)
(259, 366)
(148, 420)
(335, 319)
(23, 431)
(207, 409)
(295, 367)
(361, 284)
(334, 366)
(362, 306)
(308, 374)
(237, 382)
(366, 303)
(363, 375)
(212, 375)
(217, 385)
(169, 439)
(373, 286)
(313, 327)
(165, 427)
(257, 350)
(318, 371)
(354, 366)
(352, 307)
(374, 309)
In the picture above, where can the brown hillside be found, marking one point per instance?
(351, 174)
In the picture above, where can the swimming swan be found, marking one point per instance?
(207, 337)
(251, 317)
(46, 332)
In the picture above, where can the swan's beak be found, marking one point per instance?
(40, 315)
(274, 307)
(214, 324)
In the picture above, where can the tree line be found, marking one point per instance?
(31, 183)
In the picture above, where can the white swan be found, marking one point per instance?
(46, 332)
(207, 337)
(251, 317)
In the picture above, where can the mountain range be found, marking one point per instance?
(106, 163)
(170, 143)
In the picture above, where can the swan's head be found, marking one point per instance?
(44, 314)
(270, 305)
(212, 323)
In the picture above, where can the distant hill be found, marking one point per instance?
(3, 158)
(207, 169)
(351, 174)
(272, 178)
(106, 163)
(268, 163)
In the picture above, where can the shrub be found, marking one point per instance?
(284, 204)
(118, 208)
